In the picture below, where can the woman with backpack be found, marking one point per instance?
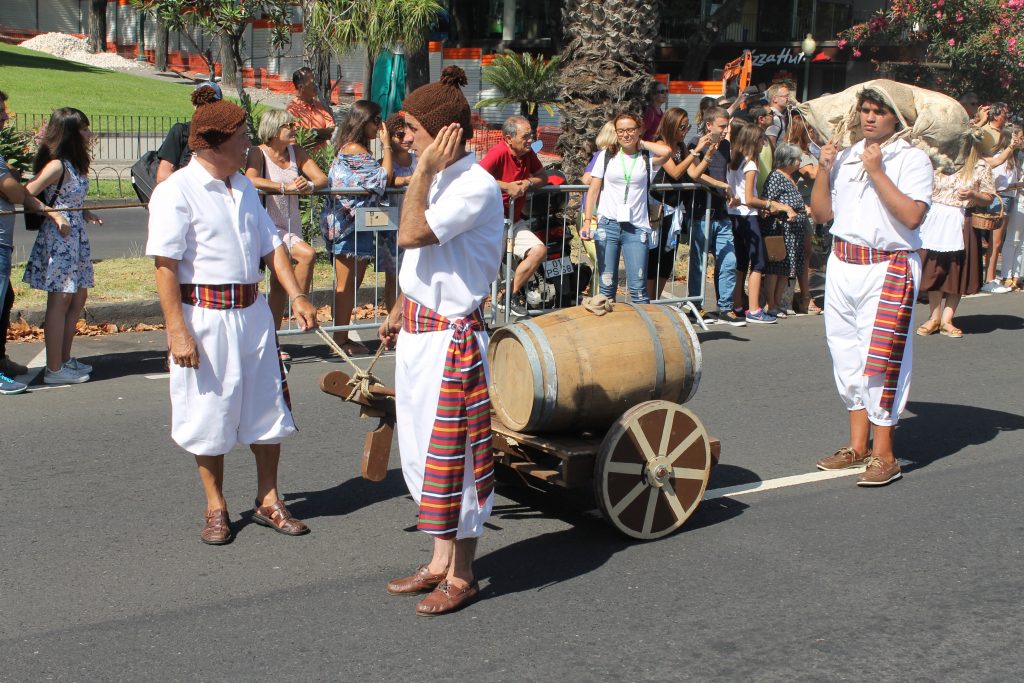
(60, 263)
(617, 218)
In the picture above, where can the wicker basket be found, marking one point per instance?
(989, 221)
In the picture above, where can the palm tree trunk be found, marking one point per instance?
(162, 37)
(98, 26)
(606, 66)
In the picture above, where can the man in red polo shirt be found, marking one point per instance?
(517, 169)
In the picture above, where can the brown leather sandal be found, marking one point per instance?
(278, 518)
(952, 331)
(930, 327)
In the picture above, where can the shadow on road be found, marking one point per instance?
(575, 551)
(939, 430)
(980, 324)
(343, 499)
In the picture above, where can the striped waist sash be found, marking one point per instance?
(220, 297)
(463, 413)
(892, 320)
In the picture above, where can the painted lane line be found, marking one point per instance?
(784, 482)
(162, 375)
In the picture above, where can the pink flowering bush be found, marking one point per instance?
(980, 41)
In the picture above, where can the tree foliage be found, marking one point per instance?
(961, 45)
(225, 20)
(523, 79)
(341, 26)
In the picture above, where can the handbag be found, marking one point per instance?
(34, 221)
(775, 248)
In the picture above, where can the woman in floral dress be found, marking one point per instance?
(60, 262)
(781, 188)
(355, 168)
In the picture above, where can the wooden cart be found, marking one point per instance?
(649, 471)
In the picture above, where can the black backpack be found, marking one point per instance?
(144, 175)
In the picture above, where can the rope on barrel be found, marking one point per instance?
(361, 379)
(599, 304)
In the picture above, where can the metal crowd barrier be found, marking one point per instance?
(562, 280)
(567, 274)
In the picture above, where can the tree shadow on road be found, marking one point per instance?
(939, 430)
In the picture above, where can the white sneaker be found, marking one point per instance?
(64, 376)
(994, 287)
(78, 366)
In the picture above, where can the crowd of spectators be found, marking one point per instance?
(753, 151)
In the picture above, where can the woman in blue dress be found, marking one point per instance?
(60, 262)
(356, 168)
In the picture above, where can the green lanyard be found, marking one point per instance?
(628, 175)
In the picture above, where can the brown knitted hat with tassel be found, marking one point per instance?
(435, 105)
(214, 123)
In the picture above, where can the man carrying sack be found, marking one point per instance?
(878, 192)
(207, 235)
(452, 228)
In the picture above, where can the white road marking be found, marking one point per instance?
(162, 375)
(783, 482)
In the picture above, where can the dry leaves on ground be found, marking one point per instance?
(364, 312)
(21, 330)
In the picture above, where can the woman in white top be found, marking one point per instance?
(617, 218)
(1013, 245)
(951, 263)
(1005, 171)
(278, 166)
(746, 145)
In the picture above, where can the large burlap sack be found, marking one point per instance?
(931, 121)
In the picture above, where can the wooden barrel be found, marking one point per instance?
(572, 371)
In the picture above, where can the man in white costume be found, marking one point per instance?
(878, 192)
(207, 235)
(452, 230)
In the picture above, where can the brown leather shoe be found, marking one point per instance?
(843, 459)
(278, 518)
(447, 598)
(218, 529)
(419, 582)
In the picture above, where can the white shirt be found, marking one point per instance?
(1004, 175)
(614, 202)
(218, 236)
(860, 216)
(465, 213)
(737, 180)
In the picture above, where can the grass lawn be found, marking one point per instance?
(132, 279)
(38, 83)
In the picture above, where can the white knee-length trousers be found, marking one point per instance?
(851, 301)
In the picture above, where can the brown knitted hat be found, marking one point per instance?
(435, 105)
(214, 123)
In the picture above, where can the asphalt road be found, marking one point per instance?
(122, 234)
(104, 578)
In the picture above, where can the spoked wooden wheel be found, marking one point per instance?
(652, 469)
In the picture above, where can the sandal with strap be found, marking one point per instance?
(930, 327)
(951, 331)
(813, 308)
(278, 518)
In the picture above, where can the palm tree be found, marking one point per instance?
(606, 65)
(523, 79)
(373, 25)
